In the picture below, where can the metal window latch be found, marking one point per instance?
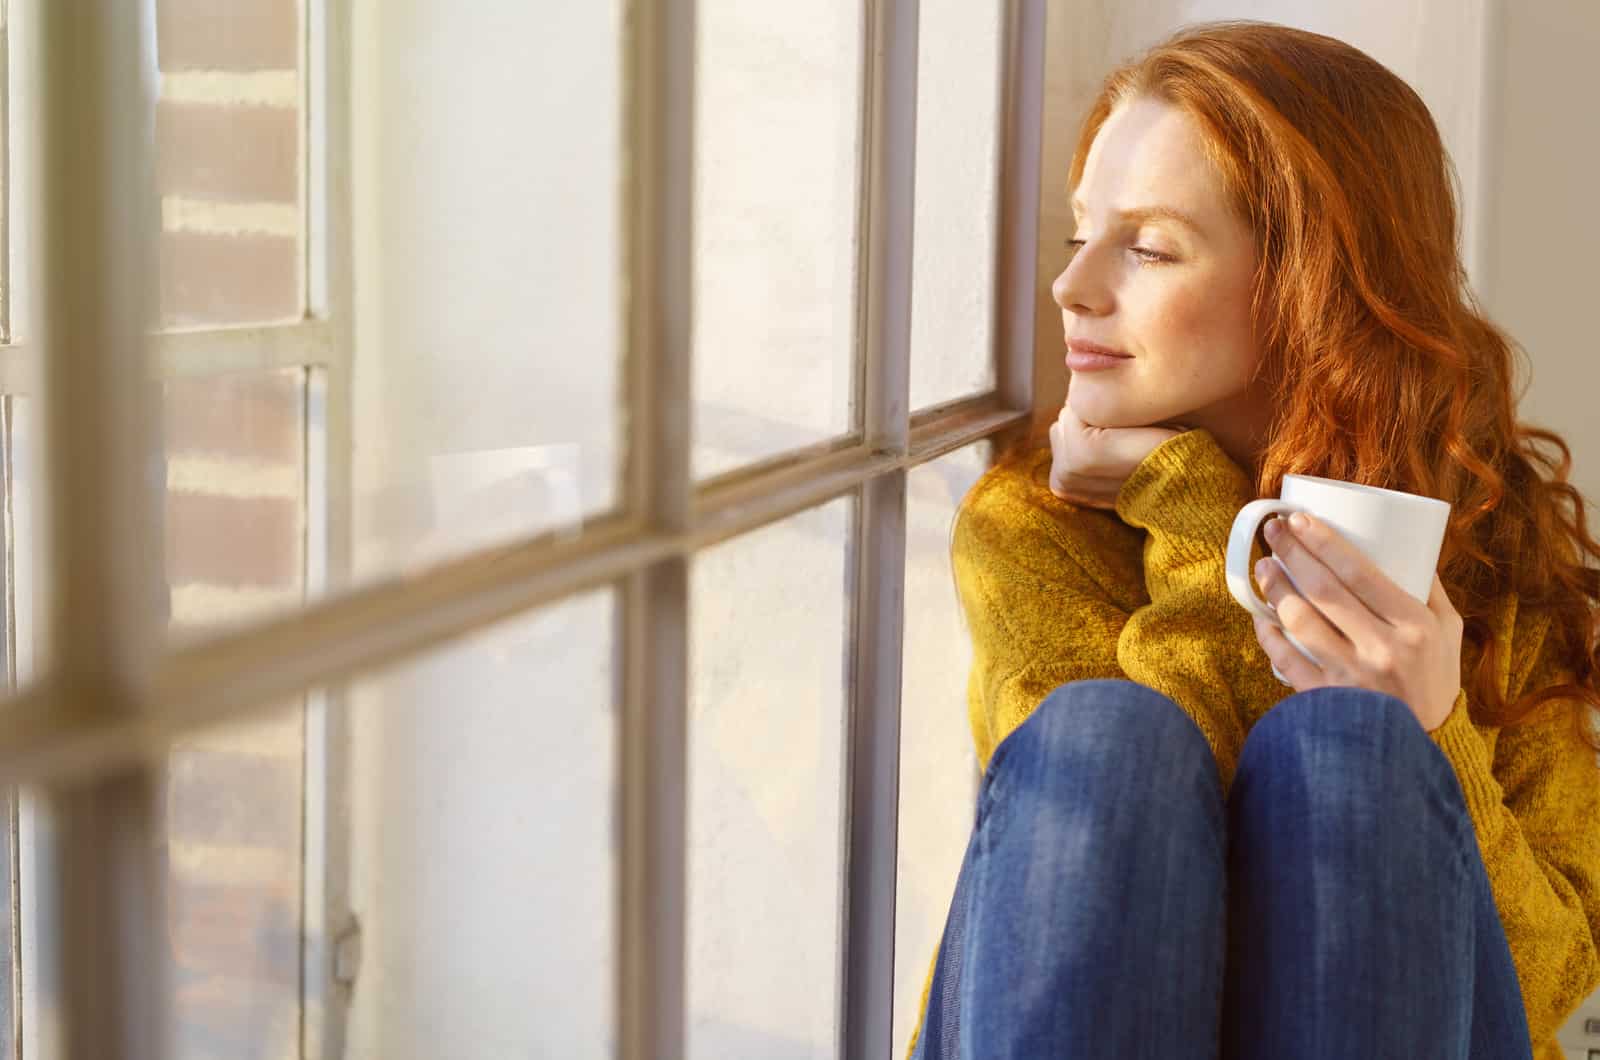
(347, 953)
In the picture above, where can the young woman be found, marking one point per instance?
(1173, 853)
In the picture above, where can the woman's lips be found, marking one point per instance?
(1087, 357)
(1093, 362)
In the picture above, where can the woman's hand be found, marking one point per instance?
(1370, 633)
(1088, 465)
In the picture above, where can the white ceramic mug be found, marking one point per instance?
(1401, 532)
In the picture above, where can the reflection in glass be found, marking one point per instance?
(489, 337)
(484, 813)
(777, 146)
(235, 504)
(766, 715)
(234, 847)
(957, 200)
(233, 830)
(229, 163)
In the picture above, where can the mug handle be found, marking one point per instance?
(1243, 535)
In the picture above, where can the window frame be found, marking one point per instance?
(94, 742)
(320, 343)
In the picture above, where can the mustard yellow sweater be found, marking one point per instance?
(1055, 592)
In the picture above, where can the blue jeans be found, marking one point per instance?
(1111, 904)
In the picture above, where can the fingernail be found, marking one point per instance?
(1261, 569)
(1272, 529)
(1299, 521)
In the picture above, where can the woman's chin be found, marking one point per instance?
(1099, 413)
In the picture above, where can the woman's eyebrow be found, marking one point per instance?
(1151, 213)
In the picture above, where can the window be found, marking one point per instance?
(240, 361)
(559, 415)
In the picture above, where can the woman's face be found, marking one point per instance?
(1173, 293)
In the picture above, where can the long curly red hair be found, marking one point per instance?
(1385, 369)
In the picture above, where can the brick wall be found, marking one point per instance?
(234, 531)
(229, 164)
(229, 160)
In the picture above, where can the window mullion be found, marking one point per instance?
(1017, 262)
(107, 922)
(889, 212)
(872, 765)
(872, 753)
(653, 751)
(327, 44)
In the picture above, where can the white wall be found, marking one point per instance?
(1541, 220)
(1542, 226)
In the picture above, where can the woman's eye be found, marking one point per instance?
(1144, 254)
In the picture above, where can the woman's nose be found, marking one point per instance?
(1076, 290)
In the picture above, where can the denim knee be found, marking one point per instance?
(1328, 716)
(1096, 714)
(1361, 732)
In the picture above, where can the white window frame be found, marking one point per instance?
(94, 728)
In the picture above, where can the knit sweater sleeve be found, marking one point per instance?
(1535, 808)
(1037, 615)
(1193, 641)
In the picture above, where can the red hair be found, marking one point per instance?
(1383, 366)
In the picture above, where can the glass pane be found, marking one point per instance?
(234, 841)
(235, 507)
(231, 840)
(482, 828)
(233, 519)
(229, 161)
(957, 200)
(777, 139)
(488, 342)
(766, 742)
(938, 769)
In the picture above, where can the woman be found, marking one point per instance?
(1174, 854)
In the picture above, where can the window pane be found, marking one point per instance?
(229, 162)
(957, 201)
(233, 827)
(938, 769)
(234, 888)
(488, 342)
(766, 717)
(235, 509)
(777, 142)
(233, 513)
(483, 821)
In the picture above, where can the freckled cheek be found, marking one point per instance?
(1193, 323)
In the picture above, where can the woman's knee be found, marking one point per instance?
(1343, 728)
(1102, 716)
(1109, 739)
